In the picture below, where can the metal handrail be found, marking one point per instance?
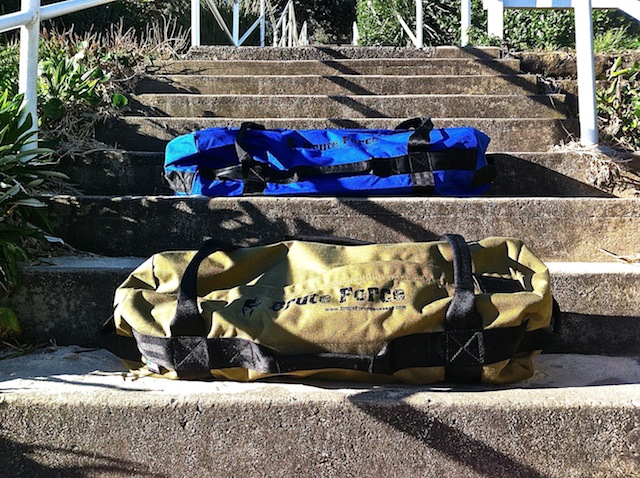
(417, 38)
(584, 47)
(32, 13)
(289, 26)
(287, 23)
(28, 20)
(233, 35)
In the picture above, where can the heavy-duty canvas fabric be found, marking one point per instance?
(410, 312)
(252, 160)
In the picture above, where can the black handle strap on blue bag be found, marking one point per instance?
(419, 161)
(419, 148)
(462, 348)
(420, 158)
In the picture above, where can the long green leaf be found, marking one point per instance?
(30, 202)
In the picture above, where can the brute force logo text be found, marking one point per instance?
(346, 294)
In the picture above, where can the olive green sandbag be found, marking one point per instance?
(306, 297)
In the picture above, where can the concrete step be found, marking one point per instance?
(363, 106)
(67, 299)
(550, 174)
(507, 134)
(560, 229)
(385, 66)
(67, 409)
(340, 85)
(334, 52)
(117, 172)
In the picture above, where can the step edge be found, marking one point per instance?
(57, 382)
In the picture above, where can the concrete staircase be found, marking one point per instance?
(72, 412)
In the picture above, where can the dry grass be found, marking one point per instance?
(123, 55)
(608, 168)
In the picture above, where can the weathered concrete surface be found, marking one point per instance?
(116, 172)
(559, 229)
(600, 308)
(562, 64)
(369, 106)
(72, 413)
(599, 302)
(507, 134)
(547, 174)
(340, 85)
(564, 173)
(330, 52)
(387, 66)
(67, 299)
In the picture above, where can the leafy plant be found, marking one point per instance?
(524, 29)
(378, 23)
(539, 29)
(9, 324)
(9, 65)
(67, 82)
(619, 105)
(615, 39)
(22, 173)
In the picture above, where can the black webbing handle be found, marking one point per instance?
(462, 313)
(188, 321)
(465, 347)
(418, 147)
(418, 123)
(419, 141)
(254, 182)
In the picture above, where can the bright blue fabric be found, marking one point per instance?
(215, 148)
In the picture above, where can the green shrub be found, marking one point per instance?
(21, 175)
(555, 29)
(615, 39)
(378, 23)
(65, 83)
(329, 21)
(9, 65)
(619, 105)
(524, 29)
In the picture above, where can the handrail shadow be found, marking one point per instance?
(16, 460)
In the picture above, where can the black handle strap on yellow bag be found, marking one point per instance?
(463, 348)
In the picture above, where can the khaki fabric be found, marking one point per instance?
(306, 297)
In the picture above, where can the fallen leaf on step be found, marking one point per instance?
(632, 259)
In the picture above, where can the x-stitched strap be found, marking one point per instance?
(465, 347)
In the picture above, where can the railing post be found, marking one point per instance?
(465, 22)
(28, 76)
(195, 22)
(236, 22)
(419, 24)
(495, 18)
(263, 23)
(290, 26)
(586, 73)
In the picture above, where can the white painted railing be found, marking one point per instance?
(287, 24)
(234, 34)
(584, 47)
(416, 36)
(285, 29)
(28, 20)
(32, 13)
